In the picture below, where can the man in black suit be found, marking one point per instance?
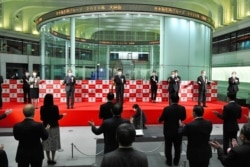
(198, 133)
(119, 81)
(202, 81)
(29, 134)
(154, 86)
(238, 155)
(233, 83)
(177, 81)
(1, 100)
(108, 128)
(106, 109)
(26, 87)
(125, 155)
(231, 112)
(172, 115)
(173, 85)
(70, 82)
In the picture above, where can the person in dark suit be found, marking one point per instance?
(34, 82)
(108, 128)
(202, 82)
(238, 155)
(172, 86)
(119, 81)
(177, 81)
(172, 115)
(233, 83)
(26, 87)
(3, 155)
(49, 114)
(154, 86)
(29, 134)
(198, 133)
(125, 155)
(231, 112)
(70, 82)
(106, 108)
(138, 119)
(1, 100)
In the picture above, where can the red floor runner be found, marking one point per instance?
(85, 111)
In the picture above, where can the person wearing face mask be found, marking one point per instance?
(202, 81)
(233, 83)
(70, 82)
(26, 87)
(119, 81)
(34, 82)
(171, 86)
(177, 81)
(154, 86)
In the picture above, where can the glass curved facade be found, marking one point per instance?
(134, 41)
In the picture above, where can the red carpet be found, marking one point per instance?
(85, 111)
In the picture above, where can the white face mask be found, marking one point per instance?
(119, 73)
(233, 75)
(153, 74)
(69, 74)
(172, 75)
(34, 74)
(27, 74)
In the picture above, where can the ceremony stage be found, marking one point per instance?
(85, 111)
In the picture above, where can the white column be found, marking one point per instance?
(152, 59)
(66, 56)
(72, 44)
(107, 63)
(162, 50)
(42, 73)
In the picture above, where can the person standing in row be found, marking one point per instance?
(154, 86)
(119, 81)
(70, 82)
(26, 87)
(202, 82)
(106, 108)
(34, 82)
(233, 83)
(1, 100)
(171, 86)
(49, 114)
(29, 133)
(171, 116)
(231, 112)
(198, 133)
(177, 81)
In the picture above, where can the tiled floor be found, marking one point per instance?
(80, 148)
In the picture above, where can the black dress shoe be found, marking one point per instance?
(204, 106)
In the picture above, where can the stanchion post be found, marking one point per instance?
(72, 150)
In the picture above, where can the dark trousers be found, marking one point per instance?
(176, 141)
(3, 159)
(1, 100)
(70, 98)
(32, 164)
(227, 139)
(202, 97)
(198, 163)
(119, 90)
(153, 93)
(169, 96)
(26, 95)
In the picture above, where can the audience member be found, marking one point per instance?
(172, 115)
(106, 109)
(49, 114)
(154, 86)
(3, 157)
(1, 100)
(125, 155)
(139, 118)
(231, 112)
(108, 128)
(29, 134)
(198, 133)
(4, 115)
(238, 155)
(26, 87)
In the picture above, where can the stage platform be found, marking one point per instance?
(85, 111)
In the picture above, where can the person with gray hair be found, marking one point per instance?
(125, 155)
(29, 134)
(237, 155)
